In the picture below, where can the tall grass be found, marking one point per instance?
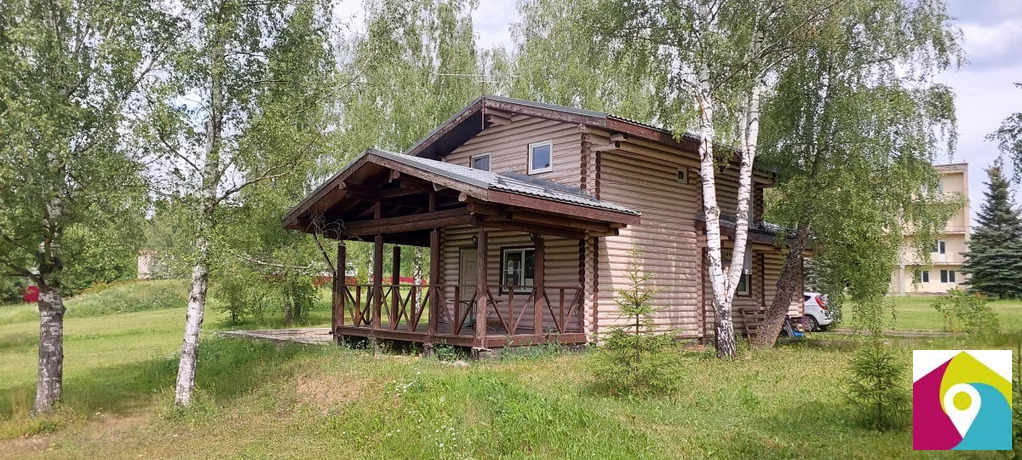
(120, 297)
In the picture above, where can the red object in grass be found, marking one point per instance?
(32, 294)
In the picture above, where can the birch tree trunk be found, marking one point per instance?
(211, 173)
(51, 348)
(417, 277)
(193, 325)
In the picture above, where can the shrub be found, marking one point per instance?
(876, 390)
(12, 289)
(636, 360)
(966, 312)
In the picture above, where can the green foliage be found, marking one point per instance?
(994, 258)
(853, 137)
(92, 256)
(12, 289)
(561, 57)
(875, 388)
(637, 360)
(1009, 139)
(66, 87)
(966, 312)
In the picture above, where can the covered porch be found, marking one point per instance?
(490, 238)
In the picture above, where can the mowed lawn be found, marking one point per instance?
(916, 313)
(260, 400)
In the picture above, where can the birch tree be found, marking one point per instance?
(68, 74)
(205, 120)
(852, 128)
(720, 55)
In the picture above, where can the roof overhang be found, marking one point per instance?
(414, 191)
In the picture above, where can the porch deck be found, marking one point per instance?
(516, 316)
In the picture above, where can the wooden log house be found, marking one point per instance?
(531, 212)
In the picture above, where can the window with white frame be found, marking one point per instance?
(481, 162)
(947, 276)
(940, 247)
(744, 285)
(518, 269)
(541, 157)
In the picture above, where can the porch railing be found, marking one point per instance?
(510, 310)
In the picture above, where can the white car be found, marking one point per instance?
(817, 317)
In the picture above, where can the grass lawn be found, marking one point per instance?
(915, 313)
(259, 400)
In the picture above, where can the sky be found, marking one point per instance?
(984, 90)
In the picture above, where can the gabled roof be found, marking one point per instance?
(471, 120)
(477, 184)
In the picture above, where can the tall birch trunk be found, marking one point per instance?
(417, 277)
(193, 325)
(51, 348)
(50, 378)
(208, 198)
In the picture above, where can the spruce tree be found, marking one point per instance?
(994, 258)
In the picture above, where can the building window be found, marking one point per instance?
(940, 246)
(518, 269)
(947, 276)
(920, 276)
(481, 162)
(541, 157)
(744, 285)
(926, 276)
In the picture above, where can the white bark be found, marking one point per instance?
(211, 176)
(193, 327)
(51, 349)
(417, 277)
(720, 284)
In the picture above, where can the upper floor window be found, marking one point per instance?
(480, 162)
(541, 157)
(940, 247)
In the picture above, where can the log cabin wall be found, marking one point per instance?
(561, 267)
(508, 147)
(647, 179)
(642, 175)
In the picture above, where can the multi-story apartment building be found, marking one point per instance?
(945, 271)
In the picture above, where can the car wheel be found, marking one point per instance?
(811, 323)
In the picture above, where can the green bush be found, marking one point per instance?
(967, 312)
(876, 389)
(635, 359)
(12, 289)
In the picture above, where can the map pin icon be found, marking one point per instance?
(962, 418)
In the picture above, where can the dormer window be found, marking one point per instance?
(481, 162)
(541, 157)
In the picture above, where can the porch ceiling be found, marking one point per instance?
(403, 197)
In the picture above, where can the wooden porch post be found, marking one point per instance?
(482, 288)
(339, 286)
(395, 282)
(434, 281)
(539, 277)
